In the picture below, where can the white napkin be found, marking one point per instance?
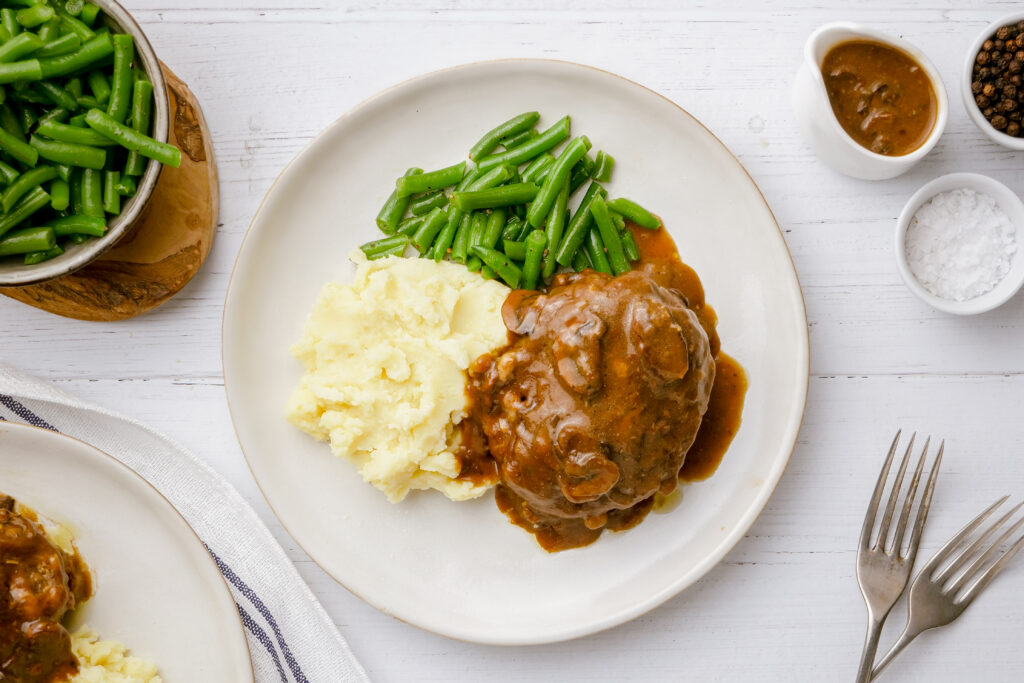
(291, 638)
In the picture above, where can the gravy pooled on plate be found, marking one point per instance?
(881, 97)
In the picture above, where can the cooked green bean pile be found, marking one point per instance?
(508, 215)
(75, 118)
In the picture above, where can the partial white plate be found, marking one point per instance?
(461, 569)
(156, 589)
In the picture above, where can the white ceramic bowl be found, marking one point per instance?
(14, 273)
(1009, 202)
(965, 85)
(823, 131)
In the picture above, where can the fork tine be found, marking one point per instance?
(968, 552)
(901, 525)
(943, 553)
(975, 566)
(894, 494)
(990, 574)
(926, 503)
(876, 497)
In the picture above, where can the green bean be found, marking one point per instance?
(31, 17)
(60, 194)
(25, 183)
(491, 138)
(168, 155)
(126, 186)
(78, 121)
(515, 140)
(74, 85)
(111, 198)
(610, 236)
(515, 250)
(629, 246)
(58, 114)
(5, 35)
(34, 257)
(141, 114)
(79, 239)
(7, 173)
(501, 264)
(460, 245)
(618, 220)
(512, 227)
(19, 46)
(504, 195)
(536, 241)
(28, 117)
(555, 180)
(427, 232)
(577, 177)
(576, 231)
(635, 213)
(29, 204)
(409, 226)
(527, 151)
(58, 95)
(468, 179)
(555, 227)
(27, 240)
(93, 50)
(99, 86)
(387, 220)
(9, 122)
(487, 273)
(477, 224)
(534, 167)
(63, 172)
(70, 23)
(75, 185)
(9, 19)
(88, 102)
(49, 31)
(434, 180)
(594, 246)
(427, 202)
(29, 95)
(62, 132)
(92, 192)
(447, 236)
(69, 153)
(66, 44)
(603, 168)
(579, 261)
(121, 83)
(89, 14)
(388, 246)
(18, 149)
(78, 225)
(492, 178)
(493, 228)
(588, 164)
(27, 70)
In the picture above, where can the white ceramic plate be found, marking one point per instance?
(461, 569)
(156, 589)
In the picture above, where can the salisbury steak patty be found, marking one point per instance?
(592, 407)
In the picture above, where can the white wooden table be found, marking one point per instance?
(784, 604)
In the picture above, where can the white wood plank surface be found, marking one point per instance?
(784, 604)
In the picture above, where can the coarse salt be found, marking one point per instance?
(960, 244)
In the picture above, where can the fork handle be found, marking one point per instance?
(897, 648)
(867, 657)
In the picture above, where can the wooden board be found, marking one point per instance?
(165, 248)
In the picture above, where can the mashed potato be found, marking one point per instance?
(385, 361)
(107, 661)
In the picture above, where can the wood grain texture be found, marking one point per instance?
(167, 245)
(783, 605)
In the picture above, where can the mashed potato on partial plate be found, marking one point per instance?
(107, 661)
(385, 360)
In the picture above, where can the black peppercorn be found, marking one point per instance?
(1013, 128)
(1003, 33)
(988, 90)
(987, 45)
(983, 57)
(982, 101)
(1010, 91)
(999, 122)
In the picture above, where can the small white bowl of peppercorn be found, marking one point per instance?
(993, 81)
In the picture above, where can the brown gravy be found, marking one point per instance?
(39, 585)
(609, 475)
(881, 97)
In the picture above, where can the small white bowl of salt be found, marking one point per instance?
(959, 242)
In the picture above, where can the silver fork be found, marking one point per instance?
(934, 599)
(883, 569)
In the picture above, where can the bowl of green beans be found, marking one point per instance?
(84, 123)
